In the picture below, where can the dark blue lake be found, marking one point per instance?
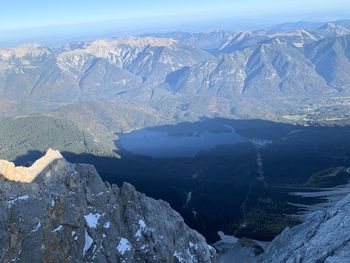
(158, 144)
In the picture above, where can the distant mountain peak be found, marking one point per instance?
(333, 30)
(34, 50)
(135, 42)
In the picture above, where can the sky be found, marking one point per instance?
(20, 14)
(53, 22)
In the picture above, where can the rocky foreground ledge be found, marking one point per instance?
(55, 211)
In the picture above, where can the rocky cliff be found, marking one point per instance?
(323, 237)
(55, 211)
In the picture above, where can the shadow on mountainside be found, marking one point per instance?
(229, 187)
(29, 158)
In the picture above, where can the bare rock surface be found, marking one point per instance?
(323, 237)
(55, 211)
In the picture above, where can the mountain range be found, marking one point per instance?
(137, 81)
(183, 76)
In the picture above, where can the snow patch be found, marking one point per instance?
(143, 247)
(92, 219)
(88, 242)
(107, 225)
(59, 228)
(36, 228)
(74, 234)
(142, 228)
(179, 257)
(20, 198)
(124, 246)
(227, 239)
(195, 246)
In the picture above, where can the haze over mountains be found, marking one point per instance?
(186, 70)
(259, 64)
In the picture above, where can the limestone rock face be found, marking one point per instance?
(24, 174)
(56, 211)
(323, 237)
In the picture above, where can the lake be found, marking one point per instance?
(157, 144)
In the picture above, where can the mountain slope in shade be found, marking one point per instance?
(323, 237)
(75, 217)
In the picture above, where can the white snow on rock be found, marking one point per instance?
(20, 198)
(124, 246)
(195, 246)
(59, 228)
(88, 242)
(179, 257)
(92, 219)
(99, 194)
(143, 247)
(142, 228)
(36, 228)
(227, 239)
(107, 225)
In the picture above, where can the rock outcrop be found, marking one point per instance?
(28, 174)
(323, 237)
(55, 211)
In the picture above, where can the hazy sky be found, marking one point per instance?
(17, 14)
